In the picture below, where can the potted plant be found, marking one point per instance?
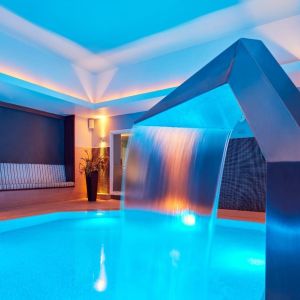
(91, 166)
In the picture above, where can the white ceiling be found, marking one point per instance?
(47, 70)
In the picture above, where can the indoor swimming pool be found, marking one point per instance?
(130, 254)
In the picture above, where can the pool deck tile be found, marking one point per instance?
(74, 205)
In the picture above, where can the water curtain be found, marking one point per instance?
(171, 169)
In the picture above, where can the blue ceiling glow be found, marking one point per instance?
(103, 25)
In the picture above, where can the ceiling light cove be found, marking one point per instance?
(104, 54)
(42, 84)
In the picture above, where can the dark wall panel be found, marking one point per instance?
(30, 138)
(69, 132)
(244, 177)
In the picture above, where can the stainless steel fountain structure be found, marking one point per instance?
(270, 103)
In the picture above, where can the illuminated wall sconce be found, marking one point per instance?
(102, 143)
(91, 124)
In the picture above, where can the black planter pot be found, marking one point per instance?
(92, 185)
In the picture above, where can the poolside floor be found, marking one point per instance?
(72, 205)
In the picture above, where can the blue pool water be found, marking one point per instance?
(129, 255)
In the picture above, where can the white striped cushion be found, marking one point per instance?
(30, 176)
(23, 186)
(1, 176)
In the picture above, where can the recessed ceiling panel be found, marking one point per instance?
(102, 25)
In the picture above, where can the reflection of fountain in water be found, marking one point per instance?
(101, 283)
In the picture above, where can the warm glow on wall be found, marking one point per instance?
(103, 123)
(103, 143)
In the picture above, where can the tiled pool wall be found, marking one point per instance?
(244, 176)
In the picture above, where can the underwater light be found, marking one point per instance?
(188, 219)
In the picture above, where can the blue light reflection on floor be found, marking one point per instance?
(141, 256)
